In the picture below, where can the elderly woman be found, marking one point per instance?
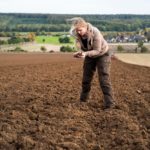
(93, 47)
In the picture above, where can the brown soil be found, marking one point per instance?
(40, 109)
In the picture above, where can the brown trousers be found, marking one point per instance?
(102, 63)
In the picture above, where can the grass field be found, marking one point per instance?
(139, 59)
(51, 43)
(51, 40)
(31, 47)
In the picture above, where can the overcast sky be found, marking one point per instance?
(77, 6)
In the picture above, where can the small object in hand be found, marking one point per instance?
(77, 54)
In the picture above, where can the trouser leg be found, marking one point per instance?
(89, 68)
(103, 67)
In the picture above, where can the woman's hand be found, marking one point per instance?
(79, 55)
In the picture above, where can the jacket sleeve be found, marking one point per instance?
(100, 46)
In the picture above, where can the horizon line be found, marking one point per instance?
(70, 13)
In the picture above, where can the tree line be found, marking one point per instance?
(20, 22)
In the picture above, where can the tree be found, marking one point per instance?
(31, 36)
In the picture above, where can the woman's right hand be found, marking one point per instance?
(77, 54)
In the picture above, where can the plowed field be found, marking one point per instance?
(40, 108)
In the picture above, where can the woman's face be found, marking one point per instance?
(81, 31)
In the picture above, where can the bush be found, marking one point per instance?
(140, 43)
(2, 42)
(15, 40)
(144, 49)
(120, 48)
(51, 51)
(17, 49)
(26, 39)
(66, 49)
(43, 49)
(57, 34)
(64, 39)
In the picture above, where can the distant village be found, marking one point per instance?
(123, 38)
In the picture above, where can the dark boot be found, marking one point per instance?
(108, 100)
(109, 105)
(84, 97)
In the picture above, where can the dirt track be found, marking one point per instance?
(132, 58)
(40, 109)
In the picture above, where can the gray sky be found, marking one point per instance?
(77, 6)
